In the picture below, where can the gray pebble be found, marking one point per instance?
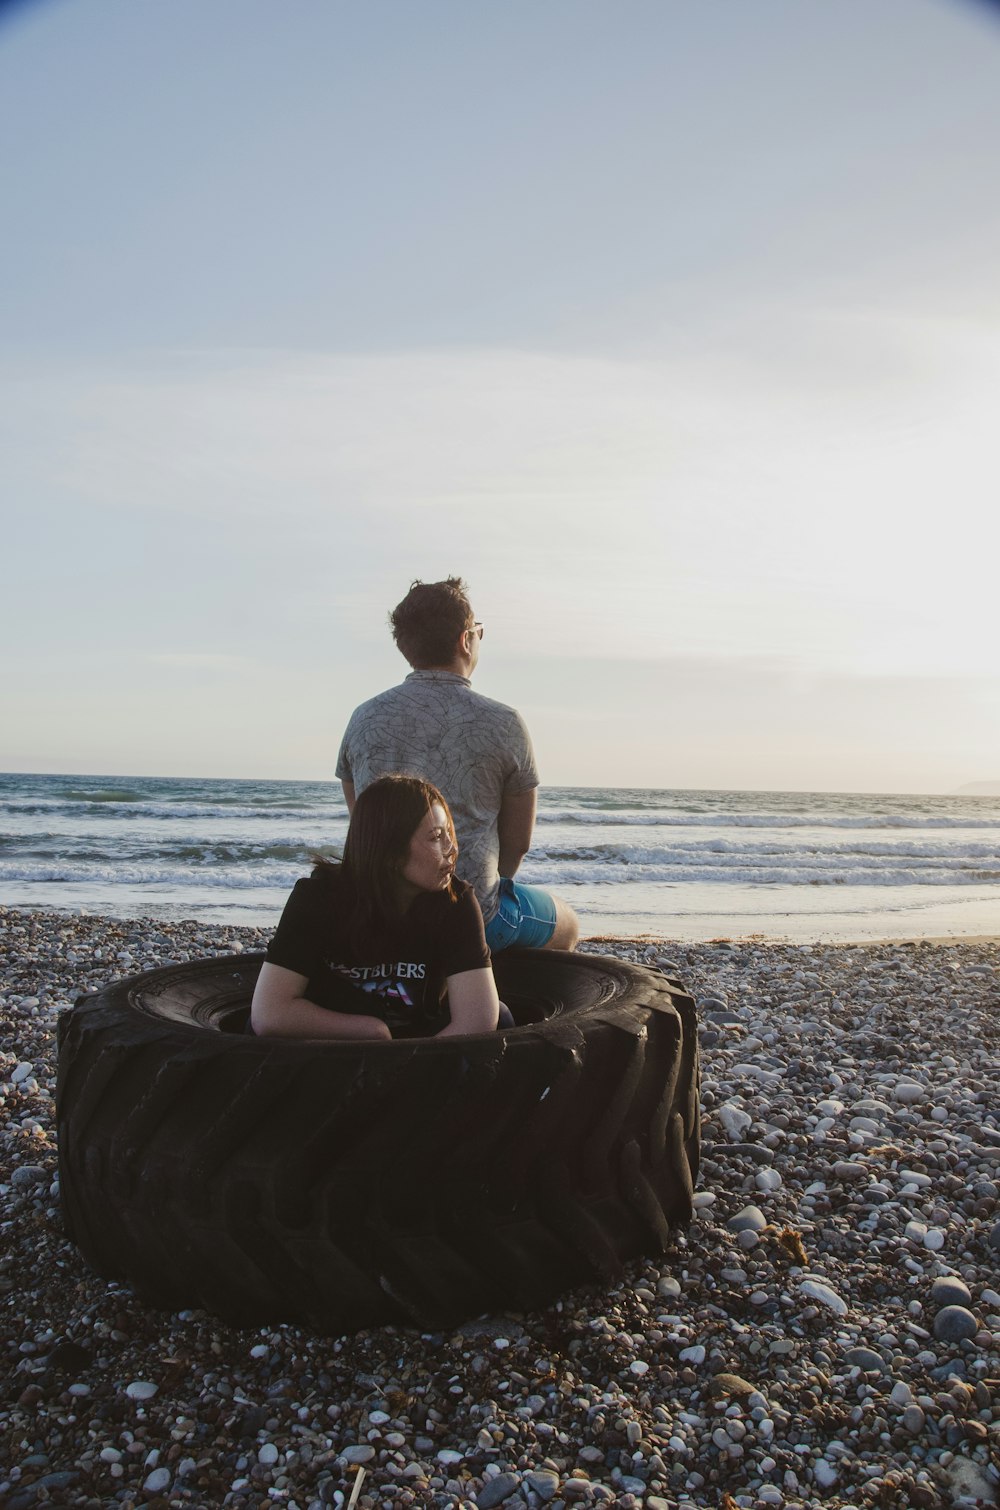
(750, 1219)
(949, 1290)
(27, 1174)
(544, 1483)
(866, 1358)
(360, 1453)
(954, 1323)
(496, 1490)
(913, 1420)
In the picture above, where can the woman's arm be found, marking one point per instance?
(472, 1002)
(279, 1010)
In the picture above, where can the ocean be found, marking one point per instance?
(682, 865)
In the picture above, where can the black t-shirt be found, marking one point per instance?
(401, 977)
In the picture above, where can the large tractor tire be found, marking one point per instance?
(348, 1184)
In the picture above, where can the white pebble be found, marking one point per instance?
(824, 1473)
(638, 1367)
(735, 1120)
(826, 1296)
(767, 1180)
(268, 1455)
(22, 1072)
(158, 1480)
(694, 1354)
(141, 1389)
(935, 1239)
(908, 1092)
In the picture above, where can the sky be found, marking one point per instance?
(673, 328)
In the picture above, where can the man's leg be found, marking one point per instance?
(531, 918)
(567, 929)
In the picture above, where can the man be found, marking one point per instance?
(476, 751)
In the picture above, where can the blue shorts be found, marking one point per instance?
(526, 917)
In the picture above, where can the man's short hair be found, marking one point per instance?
(428, 622)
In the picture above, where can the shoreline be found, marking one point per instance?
(784, 1351)
(159, 923)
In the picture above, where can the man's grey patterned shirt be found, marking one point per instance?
(474, 750)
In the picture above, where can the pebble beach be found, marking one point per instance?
(827, 1331)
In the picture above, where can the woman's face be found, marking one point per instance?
(431, 858)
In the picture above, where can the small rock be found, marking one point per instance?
(949, 1290)
(497, 1489)
(157, 1481)
(908, 1092)
(729, 1384)
(913, 1420)
(954, 1323)
(544, 1483)
(866, 1358)
(734, 1119)
(361, 1452)
(27, 1174)
(816, 1290)
(846, 1170)
(750, 1219)
(695, 1354)
(141, 1389)
(824, 1473)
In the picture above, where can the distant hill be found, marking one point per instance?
(980, 789)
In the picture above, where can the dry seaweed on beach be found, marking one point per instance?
(827, 1332)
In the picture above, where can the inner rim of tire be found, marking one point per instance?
(537, 985)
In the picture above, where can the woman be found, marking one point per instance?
(367, 948)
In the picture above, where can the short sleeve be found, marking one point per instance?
(344, 770)
(523, 773)
(297, 940)
(464, 945)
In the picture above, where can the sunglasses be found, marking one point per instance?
(477, 630)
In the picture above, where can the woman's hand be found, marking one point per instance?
(473, 1003)
(279, 1010)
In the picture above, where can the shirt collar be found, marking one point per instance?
(439, 676)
